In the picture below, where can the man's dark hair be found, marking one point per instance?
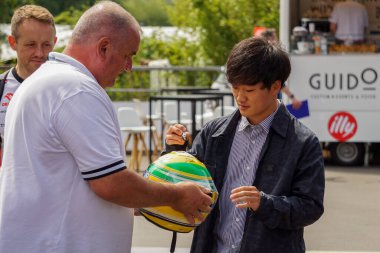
(255, 60)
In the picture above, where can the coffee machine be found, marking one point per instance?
(299, 40)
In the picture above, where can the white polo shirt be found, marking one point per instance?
(351, 19)
(61, 130)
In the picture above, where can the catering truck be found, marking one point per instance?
(341, 87)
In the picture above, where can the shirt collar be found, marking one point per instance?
(54, 56)
(265, 124)
(16, 76)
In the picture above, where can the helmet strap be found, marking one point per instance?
(174, 241)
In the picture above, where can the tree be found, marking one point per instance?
(58, 6)
(222, 23)
(7, 7)
(148, 12)
(70, 16)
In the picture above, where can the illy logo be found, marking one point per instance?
(342, 126)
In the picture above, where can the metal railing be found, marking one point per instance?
(145, 81)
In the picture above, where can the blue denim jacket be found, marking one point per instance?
(290, 177)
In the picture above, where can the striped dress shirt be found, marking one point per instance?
(241, 170)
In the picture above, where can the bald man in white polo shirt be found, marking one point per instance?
(64, 186)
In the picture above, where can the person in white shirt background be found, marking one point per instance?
(349, 22)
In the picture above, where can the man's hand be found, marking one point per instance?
(246, 197)
(192, 201)
(296, 103)
(175, 135)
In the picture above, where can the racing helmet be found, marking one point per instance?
(176, 167)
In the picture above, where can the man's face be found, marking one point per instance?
(120, 58)
(254, 102)
(34, 42)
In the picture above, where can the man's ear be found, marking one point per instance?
(12, 42)
(103, 47)
(55, 40)
(276, 86)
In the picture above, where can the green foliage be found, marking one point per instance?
(179, 51)
(70, 16)
(8, 6)
(223, 23)
(148, 12)
(58, 6)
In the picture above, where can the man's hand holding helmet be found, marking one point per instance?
(193, 200)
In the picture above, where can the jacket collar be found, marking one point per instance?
(279, 124)
(230, 125)
(281, 120)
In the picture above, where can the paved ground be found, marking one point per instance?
(352, 212)
(351, 222)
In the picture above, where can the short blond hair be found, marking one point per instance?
(29, 11)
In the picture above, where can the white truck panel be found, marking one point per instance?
(339, 83)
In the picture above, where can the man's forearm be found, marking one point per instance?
(128, 189)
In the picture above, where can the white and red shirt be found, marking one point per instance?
(12, 82)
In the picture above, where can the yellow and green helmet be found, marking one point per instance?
(173, 168)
